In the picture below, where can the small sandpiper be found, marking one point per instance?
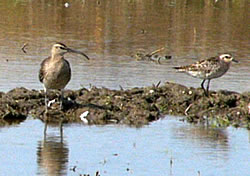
(208, 69)
(55, 72)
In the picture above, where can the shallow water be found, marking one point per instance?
(119, 150)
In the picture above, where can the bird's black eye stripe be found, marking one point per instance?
(62, 48)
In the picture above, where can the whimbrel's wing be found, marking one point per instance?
(42, 69)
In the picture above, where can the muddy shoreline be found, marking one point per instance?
(134, 107)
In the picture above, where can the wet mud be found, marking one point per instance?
(135, 107)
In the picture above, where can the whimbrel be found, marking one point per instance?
(55, 72)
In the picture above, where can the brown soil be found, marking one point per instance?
(136, 107)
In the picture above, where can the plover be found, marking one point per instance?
(208, 69)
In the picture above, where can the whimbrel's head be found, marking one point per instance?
(228, 58)
(61, 49)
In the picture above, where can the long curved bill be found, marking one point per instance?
(77, 52)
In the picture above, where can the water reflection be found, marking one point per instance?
(118, 150)
(52, 155)
(208, 134)
(48, 121)
(206, 138)
(11, 121)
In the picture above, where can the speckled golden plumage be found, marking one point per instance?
(208, 69)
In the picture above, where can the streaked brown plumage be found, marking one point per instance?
(208, 69)
(55, 72)
(59, 77)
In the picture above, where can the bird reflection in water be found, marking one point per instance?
(207, 138)
(53, 118)
(52, 154)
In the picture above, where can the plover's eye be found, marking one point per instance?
(227, 57)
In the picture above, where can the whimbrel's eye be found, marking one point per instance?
(62, 48)
(227, 57)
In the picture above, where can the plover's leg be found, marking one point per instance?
(202, 85)
(208, 86)
(61, 99)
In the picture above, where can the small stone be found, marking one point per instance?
(83, 117)
(151, 91)
(66, 5)
(248, 108)
(51, 102)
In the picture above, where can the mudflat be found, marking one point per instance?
(135, 107)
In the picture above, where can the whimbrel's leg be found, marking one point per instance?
(61, 99)
(46, 99)
(61, 120)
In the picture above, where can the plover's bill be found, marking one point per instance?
(208, 69)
